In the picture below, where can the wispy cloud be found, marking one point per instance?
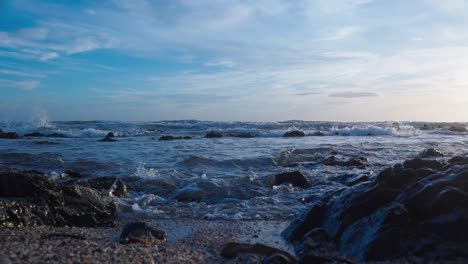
(351, 94)
(23, 85)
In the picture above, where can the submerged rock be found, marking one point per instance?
(143, 233)
(213, 134)
(242, 135)
(34, 134)
(73, 174)
(108, 139)
(296, 178)
(318, 134)
(32, 198)
(166, 138)
(418, 208)
(56, 135)
(458, 129)
(360, 162)
(295, 133)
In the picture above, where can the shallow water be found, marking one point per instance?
(225, 178)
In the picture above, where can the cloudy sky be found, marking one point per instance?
(256, 60)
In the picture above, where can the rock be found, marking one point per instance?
(351, 179)
(190, 193)
(360, 162)
(459, 160)
(417, 208)
(165, 138)
(242, 135)
(430, 153)
(34, 134)
(232, 249)
(213, 134)
(118, 189)
(295, 133)
(458, 129)
(427, 127)
(110, 135)
(107, 139)
(5, 260)
(296, 178)
(143, 233)
(31, 198)
(8, 135)
(318, 134)
(45, 143)
(73, 174)
(56, 135)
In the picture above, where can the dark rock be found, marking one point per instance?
(296, 178)
(459, 160)
(34, 134)
(165, 138)
(119, 189)
(139, 232)
(9, 135)
(430, 153)
(318, 134)
(418, 163)
(110, 135)
(233, 249)
(73, 174)
(360, 162)
(458, 129)
(242, 135)
(56, 135)
(295, 133)
(413, 209)
(351, 179)
(32, 198)
(427, 127)
(107, 139)
(213, 134)
(277, 258)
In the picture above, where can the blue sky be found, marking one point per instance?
(257, 60)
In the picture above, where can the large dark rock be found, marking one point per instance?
(318, 134)
(295, 133)
(34, 134)
(8, 135)
(418, 208)
(296, 178)
(56, 135)
(242, 135)
(233, 249)
(213, 134)
(32, 198)
(167, 138)
(108, 139)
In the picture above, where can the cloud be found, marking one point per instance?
(221, 63)
(351, 94)
(341, 33)
(23, 85)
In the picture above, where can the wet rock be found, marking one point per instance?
(9, 135)
(56, 135)
(318, 134)
(5, 260)
(242, 135)
(418, 163)
(108, 139)
(233, 249)
(427, 127)
(73, 174)
(296, 178)
(359, 162)
(34, 134)
(459, 160)
(190, 193)
(415, 208)
(143, 233)
(295, 133)
(430, 153)
(458, 129)
(166, 138)
(45, 143)
(32, 198)
(351, 179)
(277, 258)
(110, 135)
(118, 189)
(112, 185)
(213, 134)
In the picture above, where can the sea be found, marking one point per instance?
(229, 178)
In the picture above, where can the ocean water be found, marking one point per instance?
(221, 178)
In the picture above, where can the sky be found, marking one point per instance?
(243, 60)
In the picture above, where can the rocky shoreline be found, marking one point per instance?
(412, 212)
